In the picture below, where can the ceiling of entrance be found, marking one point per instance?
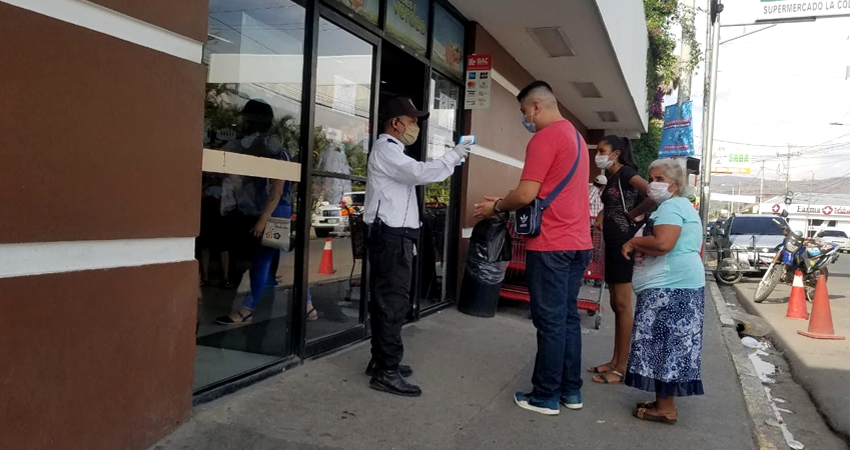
(609, 42)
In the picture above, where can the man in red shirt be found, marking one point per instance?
(555, 259)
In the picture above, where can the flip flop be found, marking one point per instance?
(605, 379)
(645, 414)
(595, 369)
(310, 316)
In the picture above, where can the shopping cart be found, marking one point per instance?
(515, 286)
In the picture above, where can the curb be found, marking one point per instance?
(758, 404)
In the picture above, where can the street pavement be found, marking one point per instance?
(822, 367)
(469, 369)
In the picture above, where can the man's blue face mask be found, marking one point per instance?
(531, 127)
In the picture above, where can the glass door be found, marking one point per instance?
(252, 112)
(436, 260)
(343, 117)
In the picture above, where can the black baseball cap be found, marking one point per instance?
(258, 109)
(401, 106)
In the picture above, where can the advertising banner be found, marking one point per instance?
(778, 10)
(735, 161)
(447, 45)
(478, 80)
(407, 22)
(677, 138)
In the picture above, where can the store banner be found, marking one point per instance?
(778, 10)
(478, 80)
(677, 138)
(447, 43)
(407, 22)
(733, 161)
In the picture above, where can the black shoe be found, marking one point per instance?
(372, 369)
(391, 381)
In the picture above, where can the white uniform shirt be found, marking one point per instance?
(392, 177)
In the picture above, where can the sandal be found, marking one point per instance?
(229, 320)
(312, 314)
(645, 414)
(604, 379)
(599, 372)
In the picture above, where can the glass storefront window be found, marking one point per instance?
(254, 58)
(343, 101)
(367, 9)
(447, 42)
(407, 23)
(442, 134)
(338, 191)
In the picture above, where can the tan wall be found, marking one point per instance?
(101, 140)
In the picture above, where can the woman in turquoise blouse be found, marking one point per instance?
(669, 281)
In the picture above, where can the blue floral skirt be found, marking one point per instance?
(667, 341)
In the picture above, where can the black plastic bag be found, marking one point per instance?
(495, 235)
(489, 251)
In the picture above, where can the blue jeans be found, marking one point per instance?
(554, 279)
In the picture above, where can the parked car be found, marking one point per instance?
(751, 239)
(837, 237)
(328, 218)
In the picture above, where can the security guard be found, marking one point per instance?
(392, 213)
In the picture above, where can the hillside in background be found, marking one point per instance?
(749, 185)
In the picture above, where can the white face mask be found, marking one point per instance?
(658, 192)
(603, 162)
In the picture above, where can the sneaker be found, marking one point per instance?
(547, 407)
(572, 401)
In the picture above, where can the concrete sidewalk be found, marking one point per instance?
(469, 369)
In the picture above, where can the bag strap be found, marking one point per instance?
(560, 187)
(622, 196)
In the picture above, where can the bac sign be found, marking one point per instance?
(478, 81)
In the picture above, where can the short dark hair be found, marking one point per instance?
(532, 86)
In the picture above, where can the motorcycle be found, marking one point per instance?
(796, 253)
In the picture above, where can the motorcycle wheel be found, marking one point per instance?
(768, 282)
(812, 282)
(729, 272)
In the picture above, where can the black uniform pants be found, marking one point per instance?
(391, 260)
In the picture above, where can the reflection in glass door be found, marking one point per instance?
(342, 138)
(442, 135)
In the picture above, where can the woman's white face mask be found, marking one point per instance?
(659, 192)
(604, 162)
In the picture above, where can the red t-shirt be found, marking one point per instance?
(550, 155)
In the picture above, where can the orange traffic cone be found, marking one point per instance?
(820, 327)
(326, 267)
(797, 301)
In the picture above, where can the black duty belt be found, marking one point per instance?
(409, 233)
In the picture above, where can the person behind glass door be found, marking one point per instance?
(555, 259)
(623, 204)
(392, 213)
(248, 202)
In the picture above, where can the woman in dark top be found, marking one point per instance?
(624, 200)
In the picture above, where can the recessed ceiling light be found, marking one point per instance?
(586, 90)
(553, 41)
(607, 116)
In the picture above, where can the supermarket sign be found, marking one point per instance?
(779, 10)
(731, 161)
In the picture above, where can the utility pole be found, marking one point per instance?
(708, 136)
(685, 54)
(788, 170)
(761, 186)
(809, 204)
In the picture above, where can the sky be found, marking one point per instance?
(780, 86)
